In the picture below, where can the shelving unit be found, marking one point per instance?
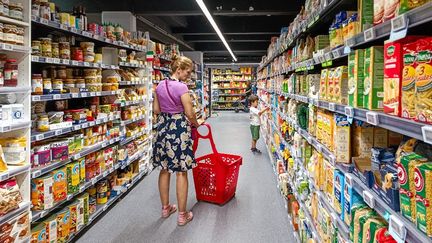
(271, 77)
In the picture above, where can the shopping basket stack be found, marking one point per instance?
(216, 175)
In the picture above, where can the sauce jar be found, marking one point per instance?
(36, 48)
(47, 85)
(37, 84)
(61, 72)
(57, 85)
(98, 58)
(77, 54)
(80, 83)
(46, 47)
(64, 50)
(11, 73)
(43, 123)
(55, 50)
(69, 83)
(16, 11)
(9, 33)
(20, 36)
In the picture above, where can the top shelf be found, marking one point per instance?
(85, 34)
(8, 20)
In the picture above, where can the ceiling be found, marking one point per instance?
(247, 32)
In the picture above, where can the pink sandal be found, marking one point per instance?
(184, 218)
(168, 210)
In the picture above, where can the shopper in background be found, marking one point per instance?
(173, 151)
(255, 117)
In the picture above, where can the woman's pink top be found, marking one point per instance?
(170, 99)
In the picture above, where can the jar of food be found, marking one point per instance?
(87, 47)
(55, 50)
(90, 72)
(69, 83)
(69, 73)
(68, 116)
(57, 85)
(20, 36)
(122, 54)
(47, 86)
(43, 123)
(80, 83)
(5, 7)
(64, 50)
(89, 57)
(64, 19)
(45, 10)
(1, 32)
(11, 73)
(77, 54)
(36, 48)
(90, 80)
(36, 8)
(37, 84)
(46, 47)
(16, 11)
(61, 72)
(98, 58)
(9, 33)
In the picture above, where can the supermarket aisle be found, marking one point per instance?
(256, 214)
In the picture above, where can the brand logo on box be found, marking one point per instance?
(418, 180)
(390, 50)
(402, 174)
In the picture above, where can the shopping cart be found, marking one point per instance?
(216, 175)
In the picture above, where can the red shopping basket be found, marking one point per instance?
(216, 175)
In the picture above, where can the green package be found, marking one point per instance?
(81, 162)
(423, 186)
(374, 78)
(365, 14)
(83, 202)
(363, 219)
(355, 78)
(371, 227)
(73, 177)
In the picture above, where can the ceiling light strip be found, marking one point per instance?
(215, 27)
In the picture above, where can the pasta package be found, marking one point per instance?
(342, 139)
(370, 229)
(423, 81)
(355, 78)
(323, 84)
(373, 78)
(408, 81)
(423, 187)
(339, 180)
(340, 84)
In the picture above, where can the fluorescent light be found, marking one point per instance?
(215, 27)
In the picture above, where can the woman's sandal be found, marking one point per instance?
(184, 218)
(168, 210)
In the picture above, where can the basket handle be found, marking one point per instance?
(197, 136)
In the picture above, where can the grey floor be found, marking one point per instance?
(256, 214)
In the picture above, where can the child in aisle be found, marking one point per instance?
(255, 123)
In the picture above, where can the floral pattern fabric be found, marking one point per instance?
(173, 146)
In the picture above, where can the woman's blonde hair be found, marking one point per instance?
(181, 62)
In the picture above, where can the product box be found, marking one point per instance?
(423, 187)
(73, 209)
(323, 84)
(381, 136)
(51, 229)
(362, 168)
(15, 229)
(63, 225)
(39, 234)
(59, 187)
(357, 211)
(368, 226)
(73, 177)
(42, 193)
(363, 139)
(355, 78)
(351, 197)
(82, 170)
(314, 85)
(340, 83)
(407, 190)
(423, 81)
(342, 139)
(378, 11)
(373, 78)
(321, 42)
(83, 212)
(391, 9)
(339, 180)
(408, 80)
(394, 139)
(365, 12)
(330, 84)
(329, 187)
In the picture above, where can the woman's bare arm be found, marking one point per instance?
(189, 111)
(156, 107)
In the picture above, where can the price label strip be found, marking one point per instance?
(369, 34)
(427, 134)
(372, 118)
(349, 111)
(397, 229)
(399, 27)
(369, 199)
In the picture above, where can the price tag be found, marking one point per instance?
(113, 92)
(7, 47)
(105, 173)
(74, 95)
(73, 30)
(56, 97)
(87, 34)
(39, 137)
(349, 111)
(351, 42)
(36, 98)
(48, 60)
(114, 67)
(348, 180)
(369, 199)
(372, 118)
(4, 176)
(63, 27)
(332, 159)
(93, 180)
(98, 122)
(104, 144)
(319, 148)
(98, 93)
(69, 197)
(66, 61)
(96, 65)
(427, 134)
(332, 106)
(77, 156)
(33, 18)
(35, 59)
(58, 132)
(336, 53)
(397, 229)
(92, 93)
(328, 56)
(85, 125)
(369, 34)
(75, 63)
(82, 189)
(42, 214)
(107, 40)
(86, 64)
(77, 127)
(115, 42)
(399, 23)
(84, 94)
(44, 21)
(105, 207)
(90, 124)
(56, 60)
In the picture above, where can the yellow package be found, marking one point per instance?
(330, 84)
(329, 186)
(340, 83)
(342, 139)
(423, 83)
(408, 81)
(323, 84)
(3, 166)
(14, 150)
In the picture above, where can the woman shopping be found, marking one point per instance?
(173, 151)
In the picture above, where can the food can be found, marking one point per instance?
(102, 190)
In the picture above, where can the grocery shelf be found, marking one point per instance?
(228, 95)
(85, 34)
(7, 20)
(228, 81)
(133, 102)
(38, 171)
(164, 58)
(132, 65)
(132, 82)
(14, 48)
(138, 155)
(7, 126)
(38, 136)
(236, 74)
(233, 101)
(72, 63)
(224, 108)
(22, 207)
(17, 90)
(129, 139)
(227, 88)
(163, 69)
(127, 122)
(50, 97)
(14, 170)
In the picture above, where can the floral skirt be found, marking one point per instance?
(173, 146)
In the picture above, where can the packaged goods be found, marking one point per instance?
(39, 234)
(83, 213)
(342, 137)
(407, 192)
(323, 84)
(73, 209)
(63, 225)
(329, 188)
(370, 228)
(357, 211)
(355, 78)
(339, 180)
(423, 81)
(378, 11)
(42, 193)
(73, 177)
(380, 139)
(408, 80)
(330, 84)
(373, 78)
(363, 138)
(10, 196)
(423, 197)
(365, 14)
(351, 198)
(16, 229)
(51, 229)
(59, 184)
(406, 5)
(14, 150)
(391, 9)
(340, 84)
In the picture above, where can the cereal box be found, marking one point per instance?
(342, 139)
(83, 212)
(408, 80)
(73, 177)
(60, 184)
(423, 81)
(365, 14)
(73, 209)
(323, 84)
(378, 11)
(63, 225)
(340, 83)
(39, 234)
(355, 78)
(407, 189)
(42, 193)
(82, 170)
(330, 84)
(423, 187)
(329, 188)
(351, 198)
(380, 139)
(339, 180)
(373, 78)
(51, 229)
(362, 139)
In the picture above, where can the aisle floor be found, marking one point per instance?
(256, 214)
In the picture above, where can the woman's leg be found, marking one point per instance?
(182, 190)
(164, 183)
